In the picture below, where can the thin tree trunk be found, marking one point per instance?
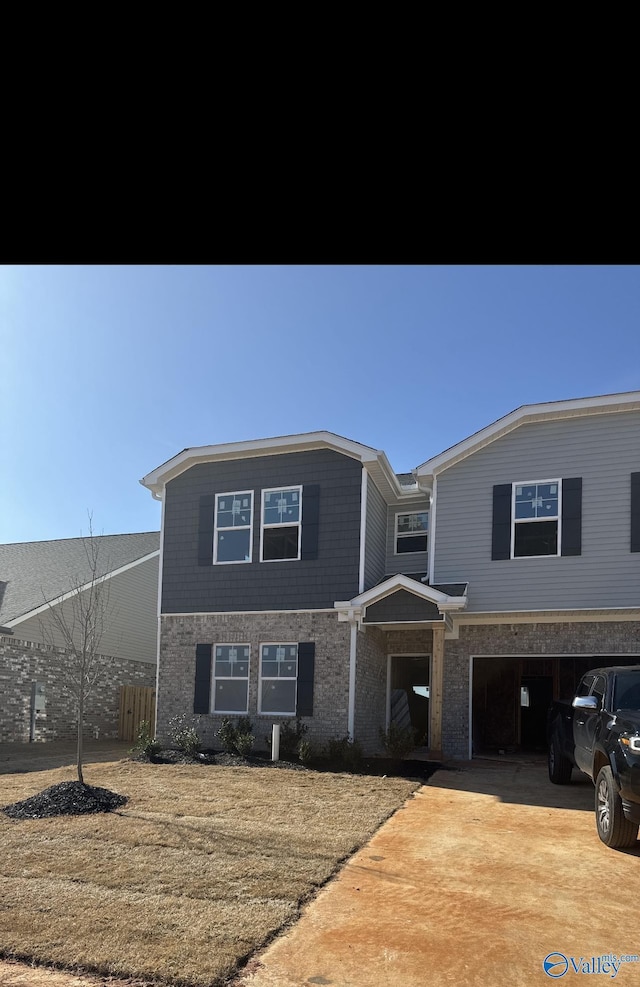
(80, 724)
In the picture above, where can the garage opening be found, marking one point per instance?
(511, 696)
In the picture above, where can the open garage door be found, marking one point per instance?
(511, 696)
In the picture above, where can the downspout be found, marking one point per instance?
(160, 560)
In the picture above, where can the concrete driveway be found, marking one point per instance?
(483, 873)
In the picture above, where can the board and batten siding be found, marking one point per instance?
(375, 537)
(603, 450)
(131, 624)
(188, 587)
(408, 561)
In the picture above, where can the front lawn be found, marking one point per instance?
(200, 868)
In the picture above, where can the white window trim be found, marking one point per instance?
(535, 520)
(298, 523)
(243, 527)
(228, 678)
(407, 534)
(270, 678)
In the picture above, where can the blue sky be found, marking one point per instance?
(109, 371)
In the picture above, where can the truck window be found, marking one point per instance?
(585, 685)
(598, 689)
(627, 691)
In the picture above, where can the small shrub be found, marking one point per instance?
(398, 741)
(345, 752)
(305, 751)
(291, 736)
(236, 738)
(184, 735)
(227, 735)
(244, 743)
(145, 742)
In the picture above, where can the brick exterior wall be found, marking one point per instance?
(180, 635)
(24, 662)
(607, 638)
(371, 688)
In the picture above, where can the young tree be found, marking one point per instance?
(77, 624)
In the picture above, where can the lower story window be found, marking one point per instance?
(231, 678)
(278, 678)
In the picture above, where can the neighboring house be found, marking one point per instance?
(302, 577)
(36, 576)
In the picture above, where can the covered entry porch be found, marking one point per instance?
(404, 622)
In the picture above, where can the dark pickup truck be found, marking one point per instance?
(599, 733)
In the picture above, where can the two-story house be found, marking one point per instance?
(301, 576)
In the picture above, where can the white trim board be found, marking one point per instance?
(238, 613)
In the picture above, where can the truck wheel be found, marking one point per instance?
(613, 829)
(559, 766)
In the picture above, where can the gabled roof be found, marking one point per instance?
(391, 486)
(35, 572)
(445, 600)
(525, 414)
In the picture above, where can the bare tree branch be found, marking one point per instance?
(79, 623)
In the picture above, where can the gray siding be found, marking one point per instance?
(288, 585)
(376, 536)
(604, 450)
(410, 561)
(131, 627)
(401, 606)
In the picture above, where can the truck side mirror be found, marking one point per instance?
(586, 702)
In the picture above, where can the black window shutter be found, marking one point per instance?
(306, 664)
(310, 521)
(202, 691)
(205, 530)
(635, 512)
(572, 517)
(501, 531)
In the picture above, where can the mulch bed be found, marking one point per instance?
(378, 766)
(69, 798)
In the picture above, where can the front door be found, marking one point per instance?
(409, 694)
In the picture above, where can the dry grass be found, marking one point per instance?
(200, 869)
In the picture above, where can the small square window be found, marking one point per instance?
(411, 532)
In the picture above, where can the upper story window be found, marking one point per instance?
(233, 527)
(411, 532)
(536, 515)
(537, 518)
(281, 524)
